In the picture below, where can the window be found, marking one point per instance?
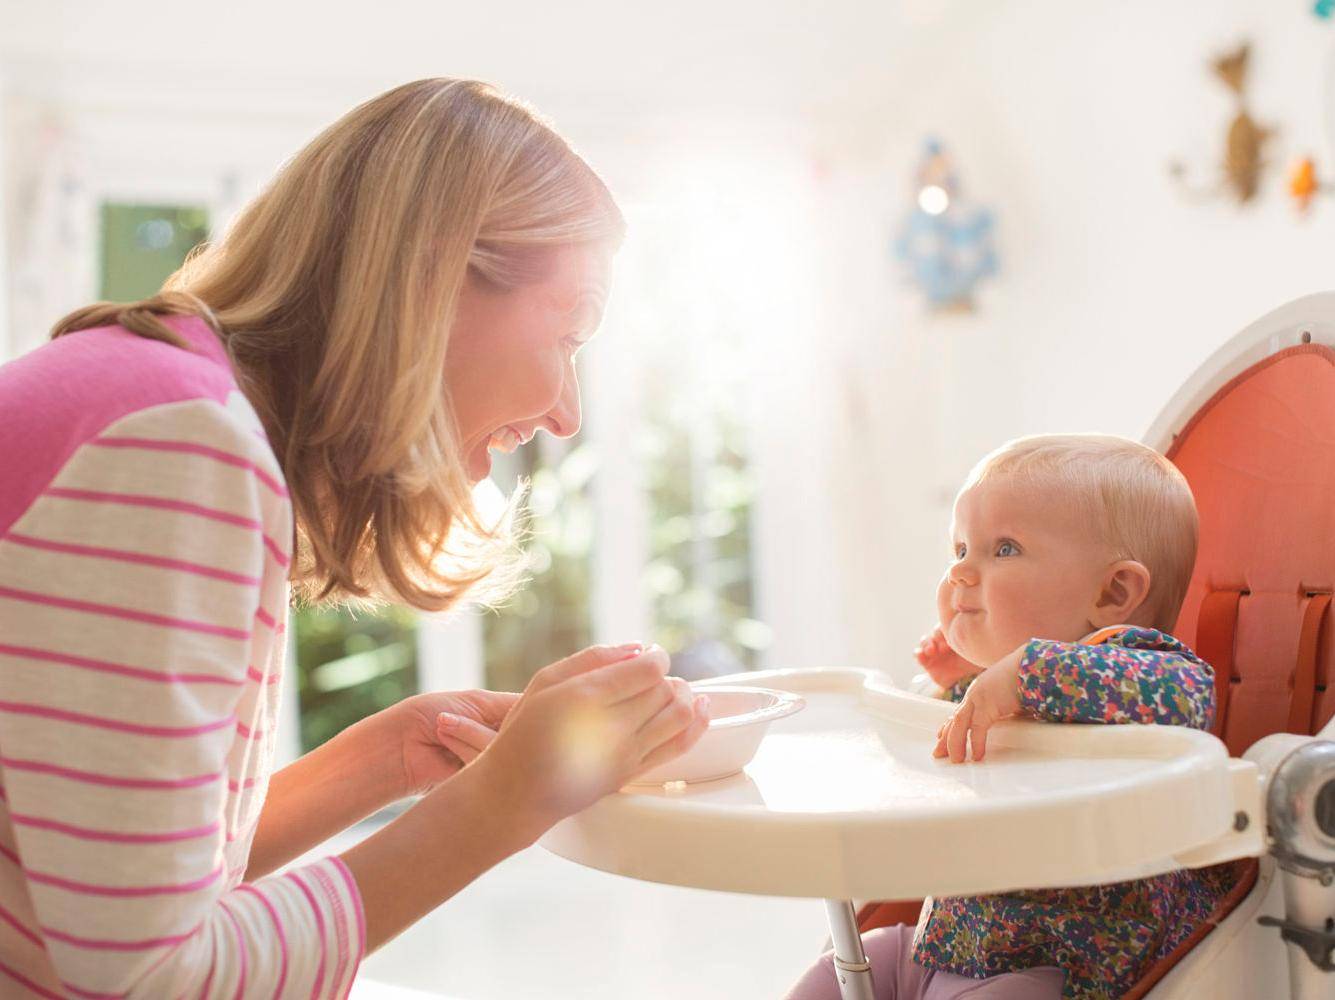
(685, 315)
(698, 576)
(143, 244)
(351, 665)
(550, 617)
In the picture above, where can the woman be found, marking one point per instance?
(307, 403)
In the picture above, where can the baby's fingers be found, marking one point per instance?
(920, 651)
(978, 738)
(941, 736)
(959, 733)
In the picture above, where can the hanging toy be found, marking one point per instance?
(945, 241)
(1244, 145)
(1305, 186)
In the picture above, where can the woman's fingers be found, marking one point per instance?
(680, 743)
(673, 717)
(460, 729)
(620, 681)
(636, 711)
(582, 662)
(492, 706)
(463, 751)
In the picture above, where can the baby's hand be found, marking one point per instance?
(943, 665)
(992, 697)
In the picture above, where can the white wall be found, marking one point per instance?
(1114, 285)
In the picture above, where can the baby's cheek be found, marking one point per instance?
(1014, 629)
(943, 609)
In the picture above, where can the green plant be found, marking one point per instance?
(549, 618)
(351, 665)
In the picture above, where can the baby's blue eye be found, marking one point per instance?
(960, 550)
(1007, 549)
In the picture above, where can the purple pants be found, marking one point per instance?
(898, 977)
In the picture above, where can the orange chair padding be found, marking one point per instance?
(1260, 458)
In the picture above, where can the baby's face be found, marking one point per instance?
(1026, 566)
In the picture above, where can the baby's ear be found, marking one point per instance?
(1126, 584)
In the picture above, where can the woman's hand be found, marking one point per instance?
(587, 725)
(943, 665)
(992, 697)
(440, 731)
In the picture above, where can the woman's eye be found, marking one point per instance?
(573, 344)
(1007, 549)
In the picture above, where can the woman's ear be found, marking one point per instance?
(1125, 586)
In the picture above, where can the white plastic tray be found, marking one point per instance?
(844, 801)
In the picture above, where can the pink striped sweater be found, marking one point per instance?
(145, 534)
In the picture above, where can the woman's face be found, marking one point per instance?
(510, 366)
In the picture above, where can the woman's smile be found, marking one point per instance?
(507, 440)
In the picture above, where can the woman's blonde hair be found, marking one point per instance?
(1138, 501)
(334, 292)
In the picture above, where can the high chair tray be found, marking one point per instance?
(844, 800)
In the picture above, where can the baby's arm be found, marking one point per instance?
(1109, 683)
(1070, 682)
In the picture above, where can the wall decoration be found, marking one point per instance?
(945, 241)
(1245, 141)
(1304, 185)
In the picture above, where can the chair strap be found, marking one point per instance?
(1216, 630)
(1304, 674)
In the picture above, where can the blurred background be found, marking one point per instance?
(869, 241)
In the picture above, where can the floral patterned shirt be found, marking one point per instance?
(1104, 937)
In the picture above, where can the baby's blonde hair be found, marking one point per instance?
(1139, 501)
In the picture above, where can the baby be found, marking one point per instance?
(1071, 557)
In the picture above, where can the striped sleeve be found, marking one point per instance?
(142, 596)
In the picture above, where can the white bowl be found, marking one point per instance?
(738, 718)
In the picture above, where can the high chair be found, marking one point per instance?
(843, 800)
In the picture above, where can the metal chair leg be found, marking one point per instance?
(850, 961)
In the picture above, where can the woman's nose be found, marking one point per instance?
(565, 415)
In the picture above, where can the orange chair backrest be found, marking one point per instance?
(1260, 458)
